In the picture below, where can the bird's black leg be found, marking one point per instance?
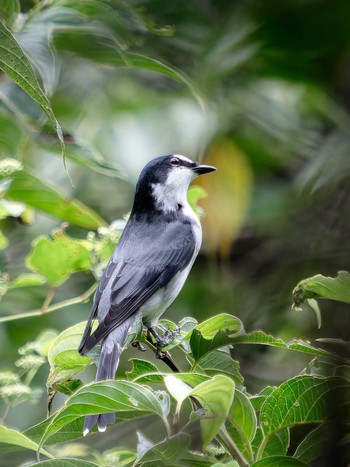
(139, 346)
(162, 341)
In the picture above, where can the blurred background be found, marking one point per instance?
(260, 89)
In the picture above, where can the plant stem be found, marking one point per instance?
(261, 448)
(48, 299)
(231, 446)
(57, 306)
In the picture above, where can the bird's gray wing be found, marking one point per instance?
(133, 275)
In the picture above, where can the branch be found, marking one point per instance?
(57, 306)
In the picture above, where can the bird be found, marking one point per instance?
(148, 267)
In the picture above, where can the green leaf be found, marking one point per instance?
(73, 430)
(57, 258)
(14, 62)
(67, 462)
(337, 288)
(220, 361)
(216, 396)
(279, 461)
(63, 356)
(214, 333)
(227, 464)
(259, 337)
(26, 280)
(123, 397)
(104, 50)
(119, 457)
(192, 379)
(290, 403)
(311, 446)
(165, 453)
(13, 437)
(29, 189)
(258, 399)
(87, 156)
(277, 443)
(9, 10)
(243, 417)
(140, 370)
(223, 321)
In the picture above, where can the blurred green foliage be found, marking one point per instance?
(259, 88)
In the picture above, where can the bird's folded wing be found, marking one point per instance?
(128, 282)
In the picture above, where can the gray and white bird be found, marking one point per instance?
(148, 267)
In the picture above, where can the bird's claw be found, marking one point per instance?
(139, 346)
(164, 340)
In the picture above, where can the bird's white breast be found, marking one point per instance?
(156, 305)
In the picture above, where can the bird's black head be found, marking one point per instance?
(164, 181)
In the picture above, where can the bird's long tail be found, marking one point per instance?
(111, 349)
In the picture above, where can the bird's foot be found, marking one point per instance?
(164, 340)
(139, 346)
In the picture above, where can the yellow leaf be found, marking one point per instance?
(229, 194)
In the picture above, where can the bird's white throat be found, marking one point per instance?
(173, 192)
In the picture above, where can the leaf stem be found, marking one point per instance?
(57, 306)
(261, 449)
(231, 446)
(48, 299)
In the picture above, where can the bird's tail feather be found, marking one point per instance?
(107, 366)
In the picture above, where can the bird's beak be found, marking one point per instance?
(203, 169)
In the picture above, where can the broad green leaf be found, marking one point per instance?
(67, 462)
(57, 258)
(216, 396)
(313, 443)
(106, 52)
(214, 333)
(279, 461)
(303, 399)
(13, 437)
(172, 452)
(259, 337)
(277, 443)
(87, 156)
(258, 399)
(333, 288)
(63, 356)
(70, 432)
(9, 10)
(17, 66)
(242, 416)
(177, 388)
(29, 189)
(221, 322)
(227, 464)
(119, 457)
(193, 379)
(220, 361)
(166, 453)
(26, 280)
(103, 397)
(140, 370)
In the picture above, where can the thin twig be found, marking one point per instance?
(57, 306)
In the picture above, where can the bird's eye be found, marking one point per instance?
(175, 161)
